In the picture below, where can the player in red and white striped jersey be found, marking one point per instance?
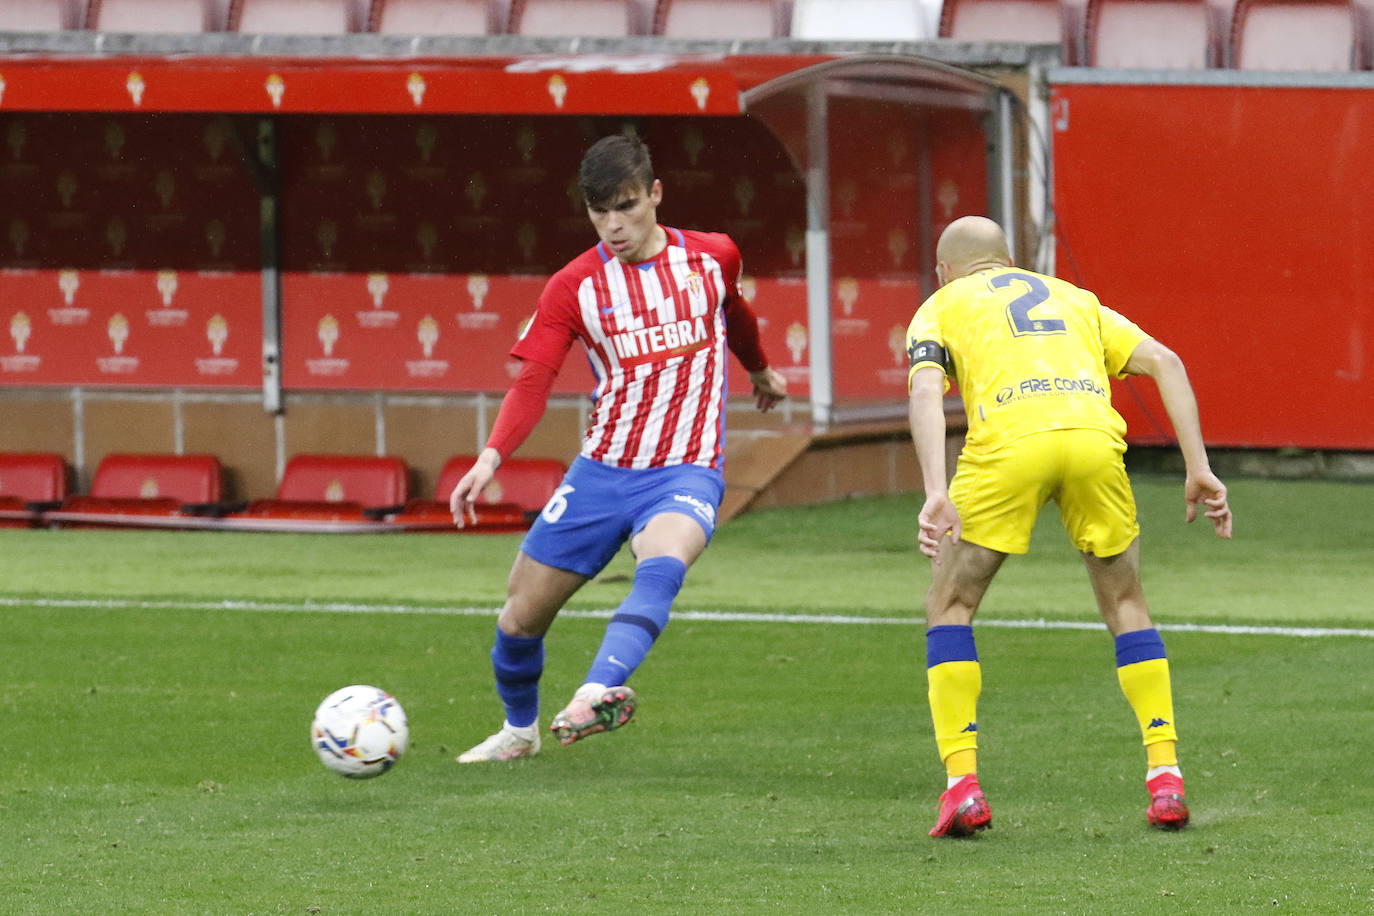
(655, 334)
(655, 309)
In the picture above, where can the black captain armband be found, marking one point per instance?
(927, 351)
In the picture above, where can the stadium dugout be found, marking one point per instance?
(261, 245)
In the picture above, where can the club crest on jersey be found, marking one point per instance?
(693, 283)
(659, 342)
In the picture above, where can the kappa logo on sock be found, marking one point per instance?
(1157, 722)
(971, 727)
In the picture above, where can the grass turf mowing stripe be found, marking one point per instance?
(335, 607)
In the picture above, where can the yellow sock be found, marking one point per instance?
(1161, 754)
(1148, 689)
(954, 690)
(961, 763)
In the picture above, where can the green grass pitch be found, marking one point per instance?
(157, 759)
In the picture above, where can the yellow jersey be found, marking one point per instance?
(1029, 352)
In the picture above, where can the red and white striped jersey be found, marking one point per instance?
(655, 334)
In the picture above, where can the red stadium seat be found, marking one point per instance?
(182, 478)
(1305, 35)
(510, 502)
(38, 16)
(1151, 34)
(433, 17)
(585, 18)
(185, 16)
(721, 19)
(1046, 21)
(291, 17)
(28, 481)
(859, 20)
(33, 476)
(335, 488)
(131, 489)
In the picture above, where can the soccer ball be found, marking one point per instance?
(359, 731)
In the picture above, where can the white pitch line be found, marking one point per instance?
(337, 607)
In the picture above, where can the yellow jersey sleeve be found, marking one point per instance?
(925, 345)
(1120, 337)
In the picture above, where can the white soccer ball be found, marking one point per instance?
(359, 731)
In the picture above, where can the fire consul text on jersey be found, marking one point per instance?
(655, 334)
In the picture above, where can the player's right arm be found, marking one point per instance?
(541, 350)
(926, 414)
(926, 385)
(520, 411)
(1152, 358)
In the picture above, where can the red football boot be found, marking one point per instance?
(1167, 810)
(963, 809)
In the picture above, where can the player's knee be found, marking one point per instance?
(514, 621)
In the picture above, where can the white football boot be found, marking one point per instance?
(510, 743)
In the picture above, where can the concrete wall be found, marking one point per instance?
(83, 426)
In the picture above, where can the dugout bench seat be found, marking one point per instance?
(30, 482)
(329, 493)
(145, 490)
(519, 489)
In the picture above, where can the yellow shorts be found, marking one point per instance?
(999, 494)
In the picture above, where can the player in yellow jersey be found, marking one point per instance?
(1033, 356)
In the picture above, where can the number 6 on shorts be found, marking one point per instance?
(557, 504)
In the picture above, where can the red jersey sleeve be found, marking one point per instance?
(522, 407)
(543, 346)
(556, 324)
(741, 324)
(742, 334)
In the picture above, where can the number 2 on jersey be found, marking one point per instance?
(1018, 310)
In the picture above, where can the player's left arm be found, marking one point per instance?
(742, 336)
(1152, 358)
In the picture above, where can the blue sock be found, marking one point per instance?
(1138, 646)
(950, 643)
(638, 621)
(518, 661)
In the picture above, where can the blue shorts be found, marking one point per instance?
(598, 507)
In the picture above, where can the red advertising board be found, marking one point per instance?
(780, 305)
(884, 163)
(533, 84)
(131, 328)
(440, 332)
(423, 332)
(868, 337)
(420, 204)
(1231, 222)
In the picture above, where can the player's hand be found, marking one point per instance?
(462, 502)
(1206, 488)
(938, 517)
(769, 388)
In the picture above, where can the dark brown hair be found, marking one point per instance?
(612, 164)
